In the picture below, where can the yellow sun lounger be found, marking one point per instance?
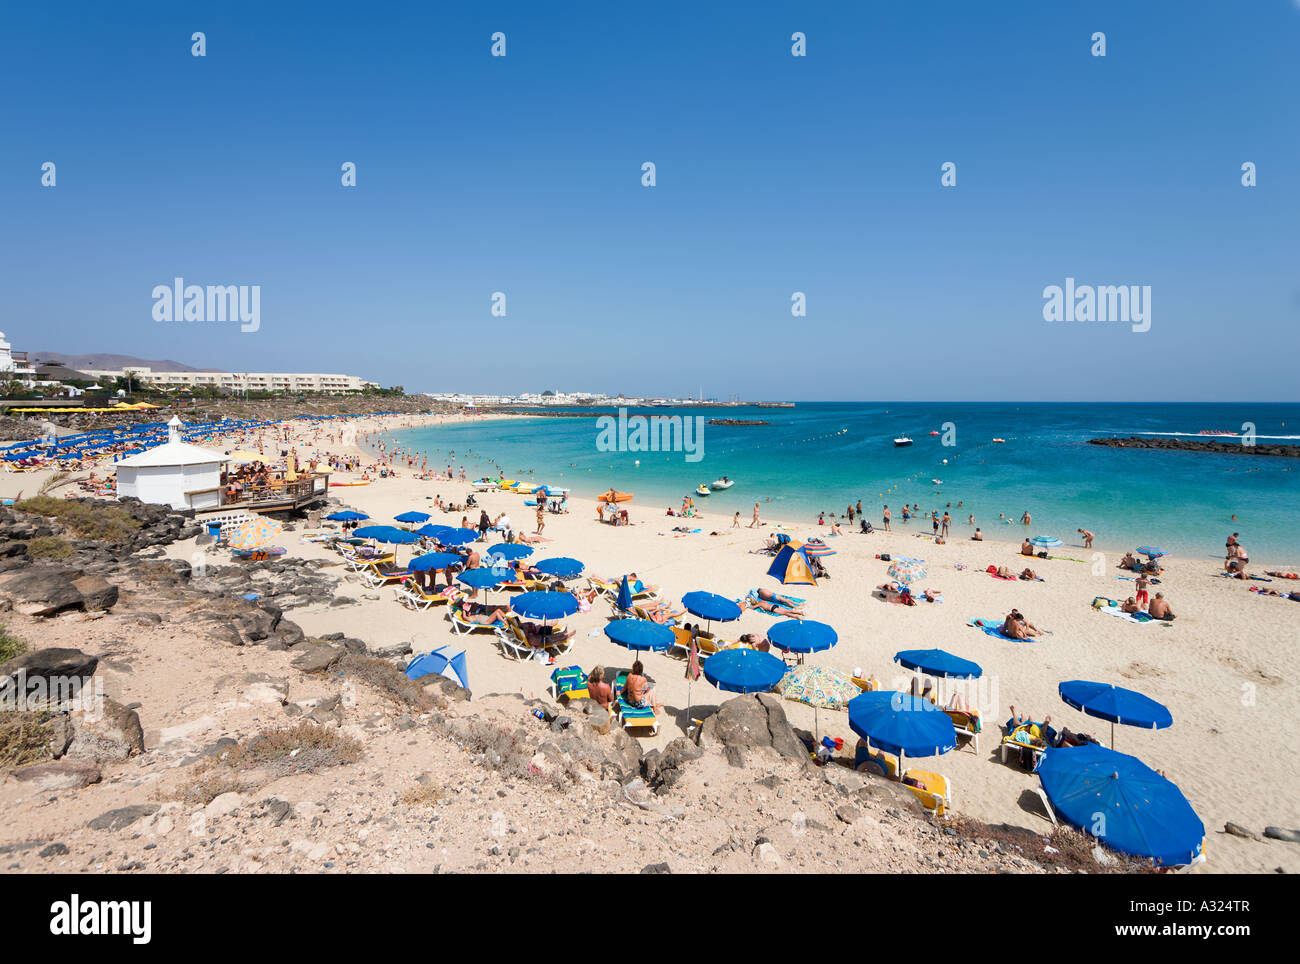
(936, 795)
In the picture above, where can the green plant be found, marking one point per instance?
(10, 645)
(49, 547)
(102, 522)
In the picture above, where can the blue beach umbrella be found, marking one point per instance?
(902, 724)
(624, 600)
(744, 670)
(413, 517)
(802, 636)
(711, 606)
(1121, 801)
(379, 533)
(640, 634)
(434, 561)
(399, 537)
(1152, 551)
(510, 551)
(561, 567)
(937, 662)
(545, 605)
(1045, 542)
(1116, 704)
(484, 578)
(457, 537)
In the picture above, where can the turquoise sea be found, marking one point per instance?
(821, 456)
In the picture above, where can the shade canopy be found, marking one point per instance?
(387, 534)
(640, 634)
(544, 605)
(347, 515)
(902, 723)
(709, 605)
(413, 517)
(1121, 801)
(1106, 701)
(1045, 542)
(938, 662)
(481, 578)
(433, 561)
(510, 550)
(802, 636)
(792, 567)
(906, 570)
(744, 670)
(561, 567)
(457, 536)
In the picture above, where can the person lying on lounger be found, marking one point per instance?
(481, 614)
(775, 607)
(755, 641)
(637, 690)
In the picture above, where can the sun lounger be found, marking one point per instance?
(569, 682)
(611, 589)
(463, 627)
(884, 763)
(966, 724)
(380, 576)
(866, 684)
(1009, 742)
(636, 717)
(516, 644)
(936, 795)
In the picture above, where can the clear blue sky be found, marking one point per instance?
(775, 174)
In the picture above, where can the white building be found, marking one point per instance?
(239, 381)
(14, 364)
(176, 473)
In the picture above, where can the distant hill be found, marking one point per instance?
(109, 361)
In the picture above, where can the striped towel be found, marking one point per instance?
(629, 712)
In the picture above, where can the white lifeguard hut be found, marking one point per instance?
(176, 473)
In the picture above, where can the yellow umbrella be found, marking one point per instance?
(242, 456)
(252, 535)
(291, 473)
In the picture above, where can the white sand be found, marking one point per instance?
(1226, 668)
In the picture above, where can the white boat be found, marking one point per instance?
(723, 483)
(702, 490)
(901, 441)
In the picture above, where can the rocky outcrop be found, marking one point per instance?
(43, 591)
(1198, 444)
(105, 732)
(757, 723)
(50, 664)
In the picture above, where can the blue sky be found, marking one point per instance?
(775, 174)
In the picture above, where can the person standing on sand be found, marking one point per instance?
(947, 521)
(1087, 538)
(735, 522)
(541, 518)
(884, 518)
(755, 520)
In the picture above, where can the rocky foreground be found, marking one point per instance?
(227, 740)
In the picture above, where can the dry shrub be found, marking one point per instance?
(10, 645)
(302, 748)
(24, 738)
(421, 795)
(49, 547)
(102, 522)
(1073, 848)
(383, 676)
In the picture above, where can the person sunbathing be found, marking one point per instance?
(768, 596)
(1130, 606)
(1004, 573)
(781, 609)
(754, 641)
(480, 614)
(1128, 562)
(1047, 735)
(1026, 548)
(1029, 575)
(978, 536)
(926, 693)
(1278, 574)
(600, 691)
(637, 691)
(1159, 608)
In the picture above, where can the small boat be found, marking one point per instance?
(269, 552)
(937, 481)
(934, 433)
(902, 441)
(702, 489)
(612, 496)
(482, 485)
(723, 483)
(999, 440)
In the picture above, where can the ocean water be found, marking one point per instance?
(822, 456)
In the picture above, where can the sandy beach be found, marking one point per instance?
(1226, 667)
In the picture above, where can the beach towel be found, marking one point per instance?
(1138, 618)
(779, 607)
(993, 627)
(629, 712)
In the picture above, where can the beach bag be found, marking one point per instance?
(885, 557)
